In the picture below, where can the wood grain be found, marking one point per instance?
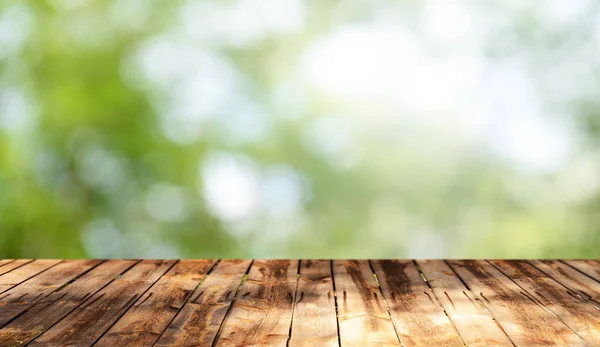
(88, 322)
(362, 315)
(314, 321)
(11, 265)
(199, 321)
(573, 311)
(472, 320)
(148, 318)
(588, 267)
(299, 303)
(23, 273)
(262, 314)
(418, 318)
(57, 305)
(580, 284)
(525, 322)
(20, 298)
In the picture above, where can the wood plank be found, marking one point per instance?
(5, 261)
(60, 303)
(418, 318)
(576, 281)
(362, 315)
(198, 322)
(525, 322)
(145, 321)
(473, 322)
(23, 273)
(20, 298)
(87, 323)
(573, 311)
(314, 321)
(54, 302)
(588, 267)
(13, 265)
(262, 314)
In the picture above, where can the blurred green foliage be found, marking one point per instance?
(134, 128)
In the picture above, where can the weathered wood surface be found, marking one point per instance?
(17, 300)
(9, 265)
(580, 316)
(579, 283)
(22, 273)
(315, 321)
(526, 322)
(86, 324)
(362, 314)
(299, 303)
(473, 322)
(148, 318)
(199, 321)
(262, 313)
(417, 316)
(588, 267)
(61, 302)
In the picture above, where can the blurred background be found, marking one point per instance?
(290, 128)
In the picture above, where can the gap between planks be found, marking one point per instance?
(42, 297)
(387, 306)
(521, 269)
(85, 300)
(437, 300)
(514, 281)
(133, 302)
(481, 303)
(188, 299)
(287, 344)
(233, 301)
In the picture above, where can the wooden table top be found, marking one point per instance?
(299, 302)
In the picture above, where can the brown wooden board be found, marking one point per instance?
(588, 267)
(200, 318)
(57, 305)
(23, 273)
(314, 321)
(294, 303)
(88, 322)
(579, 283)
(417, 316)
(20, 298)
(148, 318)
(525, 322)
(474, 323)
(262, 313)
(9, 266)
(362, 315)
(576, 313)
(5, 261)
